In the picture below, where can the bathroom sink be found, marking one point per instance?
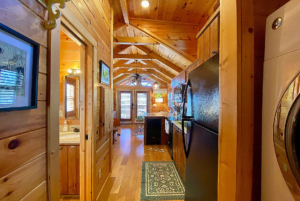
(69, 137)
(69, 133)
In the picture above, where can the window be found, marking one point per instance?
(142, 103)
(146, 84)
(70, 97)
(125, 105)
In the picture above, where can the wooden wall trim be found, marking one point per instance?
(230, 56)
(53, 114)
(71, 19)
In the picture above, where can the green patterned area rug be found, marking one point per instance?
(161, 181)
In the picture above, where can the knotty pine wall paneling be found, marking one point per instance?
(23, 133)
(242, 25)
(96, 18)
(27, 129)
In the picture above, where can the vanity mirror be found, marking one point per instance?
(72, 84)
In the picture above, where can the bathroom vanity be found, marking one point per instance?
(69, 163)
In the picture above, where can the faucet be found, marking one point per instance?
(76, 129)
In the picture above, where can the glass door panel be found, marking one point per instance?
(141, 103)
(126, 101)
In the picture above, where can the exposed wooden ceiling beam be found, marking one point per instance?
(164, 22)
(119, 79)
(158, 80)
(153, 72)
(124, 8)
(125, 71)
(121, 63)
(135, 41)
(120, 48)
(125, 80)
(119, 25)
(165, 43)
(132, 56)
(148, 65)
(159, 58)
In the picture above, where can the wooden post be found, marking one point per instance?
(242, 32)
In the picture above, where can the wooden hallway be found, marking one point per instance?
(128, 153)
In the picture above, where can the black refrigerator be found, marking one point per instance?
(201, 115)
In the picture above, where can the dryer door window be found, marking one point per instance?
(287, 133)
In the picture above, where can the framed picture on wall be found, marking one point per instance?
(104, 73)
(19, 60)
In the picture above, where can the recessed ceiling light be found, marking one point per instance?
(145, 4)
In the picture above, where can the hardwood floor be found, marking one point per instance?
(129, 151)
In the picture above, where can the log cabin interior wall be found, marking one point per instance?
(23, 169)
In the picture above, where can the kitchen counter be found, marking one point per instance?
(168, 116)
(154, 129)
(69, 138)
(178, 125)
(157, 114)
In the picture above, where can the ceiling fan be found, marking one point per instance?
(137, 78)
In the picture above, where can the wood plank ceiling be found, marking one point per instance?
(160, 41)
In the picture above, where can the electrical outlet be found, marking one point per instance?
(99, 173)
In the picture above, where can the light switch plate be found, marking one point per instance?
(61, 113)
(99, 173)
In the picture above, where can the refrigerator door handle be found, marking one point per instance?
(184, 101)
(189, 137)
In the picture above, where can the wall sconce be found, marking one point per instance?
(74, 71)
(154, 105)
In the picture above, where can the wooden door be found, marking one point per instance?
(214, 37)
(142, 103)
(102, 146)
(106, 111)
(125, 105)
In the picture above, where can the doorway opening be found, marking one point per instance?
(71, 113)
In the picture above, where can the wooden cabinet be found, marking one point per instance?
(178, 152)
(214, 37)
(208, 41)
(206, 44)
(69, 170)
(200, 49)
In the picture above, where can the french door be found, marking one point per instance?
(141, 103)
(126, 105)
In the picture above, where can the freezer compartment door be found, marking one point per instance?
(202, 165)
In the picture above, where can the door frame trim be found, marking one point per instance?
(71, 22)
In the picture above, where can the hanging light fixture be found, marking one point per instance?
(137, 79)
(155, 85)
